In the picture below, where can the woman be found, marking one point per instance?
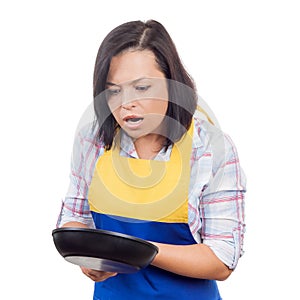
(146, 109)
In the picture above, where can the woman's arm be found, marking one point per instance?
(75, 224)
(197, 261)
(221, 210)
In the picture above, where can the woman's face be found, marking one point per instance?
(137, 92)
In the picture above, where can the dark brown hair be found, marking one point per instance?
(150, 35)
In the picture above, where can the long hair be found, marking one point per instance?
(150, 35)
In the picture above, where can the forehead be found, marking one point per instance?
(131, 65)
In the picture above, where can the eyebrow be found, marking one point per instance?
(110, 83)
(133, 81)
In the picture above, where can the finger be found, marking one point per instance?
(96, 275)
(101, 276)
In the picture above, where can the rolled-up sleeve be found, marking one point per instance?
(222, 205)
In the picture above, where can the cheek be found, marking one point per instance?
(158, 107)
(161, 107)
(166, 104)
(116, 114)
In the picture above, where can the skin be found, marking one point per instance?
(138, 88)
(198, 260)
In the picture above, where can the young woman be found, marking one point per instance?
(192, 204)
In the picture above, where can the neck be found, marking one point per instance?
(149, 145)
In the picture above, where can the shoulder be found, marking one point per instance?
(206, 134)
(221, 155)
(89, 133)
(87, 143)
(212, 142)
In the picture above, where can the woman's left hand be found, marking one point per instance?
(96, 275)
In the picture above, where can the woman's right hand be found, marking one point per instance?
(96, 275)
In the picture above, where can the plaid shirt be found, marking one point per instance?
(216, 192)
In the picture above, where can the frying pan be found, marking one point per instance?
(103, 250)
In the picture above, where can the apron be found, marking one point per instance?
(147, 199)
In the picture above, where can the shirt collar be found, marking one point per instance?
(128, 149)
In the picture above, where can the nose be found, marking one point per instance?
(128, 105)
(127, 101)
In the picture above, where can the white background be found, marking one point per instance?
(244, 57)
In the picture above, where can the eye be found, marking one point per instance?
(113, 92)
(142, 88)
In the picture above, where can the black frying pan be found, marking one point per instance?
(103, 250)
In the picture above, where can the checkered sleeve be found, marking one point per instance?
(222, 203)
(75, 206)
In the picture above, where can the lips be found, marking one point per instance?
(132, 119)
(132, 122)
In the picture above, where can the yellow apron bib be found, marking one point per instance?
(143, 189)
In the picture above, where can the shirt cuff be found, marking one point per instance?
(227, 251)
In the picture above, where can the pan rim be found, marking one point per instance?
(104, 232)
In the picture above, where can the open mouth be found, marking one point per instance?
(133, 120)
